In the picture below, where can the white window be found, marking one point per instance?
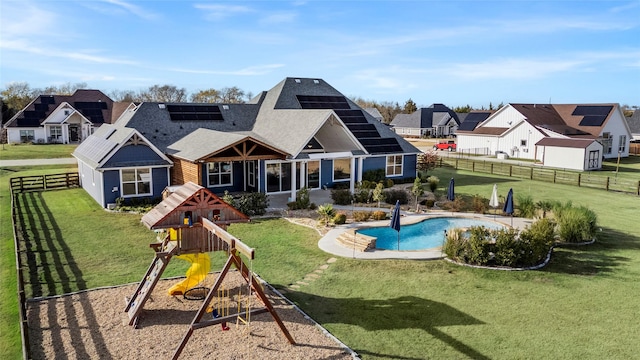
(622, 146)
(220, 173)
(523, 142)
(341, 169)
(27, 135)
(606, 143)
(135, 182)
(394, 165)
(55, 133)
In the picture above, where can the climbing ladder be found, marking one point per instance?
(164, 252)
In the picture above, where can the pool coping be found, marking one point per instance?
(329, 244)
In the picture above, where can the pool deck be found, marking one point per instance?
(329, 244)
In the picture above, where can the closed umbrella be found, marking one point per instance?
(494, 202)
(395, 220)
(451, 194)
(508, 205)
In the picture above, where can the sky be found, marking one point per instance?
(452, 52)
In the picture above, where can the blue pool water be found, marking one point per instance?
(426, 234)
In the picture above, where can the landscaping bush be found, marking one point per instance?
(302, 198)
(506, 250)
(252, 204)
(378, 194)
(535, 242)
(374, 176)
(326, 213)
(480, 204)
(366, 184)
(433, 183)
(362, 195)
(576, 224)
(455, 245)
(478, 246)
(388, 183)
(378, 215)
(526, 206)
(340, 218)
(393, 195)
(361, 216)
(341, 196)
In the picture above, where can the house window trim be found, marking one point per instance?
(220, 174)
(58, 136)
(333, 170)
(122, 183)
(394, 166)
(25, 131)
(622, 145)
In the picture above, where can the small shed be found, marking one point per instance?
(570, 153)
(181, 213)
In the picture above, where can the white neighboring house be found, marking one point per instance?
(62, 119)
(562, 153)
(515, 129)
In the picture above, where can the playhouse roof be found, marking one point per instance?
(188, 197)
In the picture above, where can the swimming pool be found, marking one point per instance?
(426, 234)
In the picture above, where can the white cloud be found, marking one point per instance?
(44, 52)
(247, 71)
(219, 11)
(512, 68)
(134, 9)
(279, 18)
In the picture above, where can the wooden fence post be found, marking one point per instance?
(491, 168)
(531, 174)
(607, 186)
(638, 191)
(554, 176)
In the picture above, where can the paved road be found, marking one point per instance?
(31, 162)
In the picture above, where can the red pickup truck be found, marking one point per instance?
(449, 145)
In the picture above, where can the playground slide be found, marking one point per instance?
(200, 265)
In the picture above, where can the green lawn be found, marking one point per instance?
(582, 305)
(30, 151)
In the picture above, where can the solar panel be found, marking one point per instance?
(592, 110)
(592, 120)
(351, 116)
(193, 112)
(322, 102)
(47, 99)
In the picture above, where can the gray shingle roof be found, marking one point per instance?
(426, 118)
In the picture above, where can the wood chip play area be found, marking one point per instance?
(92, 325)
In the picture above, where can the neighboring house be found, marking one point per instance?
(436, 120)
(62, 118)
(375, 113)
(301, 133)
(515, 129)
(634, 125)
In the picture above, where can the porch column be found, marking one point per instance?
(360, 171)
(352, 178)
(293, 180)
(303, 179)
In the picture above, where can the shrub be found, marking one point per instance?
(433, 183)
(478, 248)
(362, 196)
(302, 198)
(252, 204)
(374, 176)
(388, 183)
(340, 218)
(545, 206)
(378, 193)
(393, 195)
(228, 198)
(506, 250)
(480, 204)
(526, 206)
(458, 204)
(341, 196)
(535, 242)
(360, 216)
(576, 224)
(366, 184)
(455, 245)
(326, 212)
(378, 215)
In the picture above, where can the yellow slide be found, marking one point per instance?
(200, 265)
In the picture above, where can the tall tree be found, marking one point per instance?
(206, 96)
(123, 95)
(232, 95)
(64, 89)
(15, 97)
(409, 107)
(164, 93)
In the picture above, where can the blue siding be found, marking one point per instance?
(135, 155)
(111, 180)
(410, 165)
(237, 180)
(160, 181)
(326, 173)
(380, 162)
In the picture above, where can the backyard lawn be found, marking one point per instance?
(582, 305)
(31, 151)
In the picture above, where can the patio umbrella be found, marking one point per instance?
(451, 194)
(494, 202)
(395, 220)
(508, 204)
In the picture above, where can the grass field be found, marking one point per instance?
(31, 151)
(582, 305)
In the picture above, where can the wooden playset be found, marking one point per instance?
(194, 220)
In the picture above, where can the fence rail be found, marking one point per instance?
(44, 182)
(634, 149)
(586, 179)
(24, 184)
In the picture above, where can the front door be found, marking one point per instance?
(251, 175)
(73, 133)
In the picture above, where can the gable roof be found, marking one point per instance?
(189, 196)
(92, 104)
(425, 118)
(565, 142)
(469, 121)
(634, 122)
(105, 141)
